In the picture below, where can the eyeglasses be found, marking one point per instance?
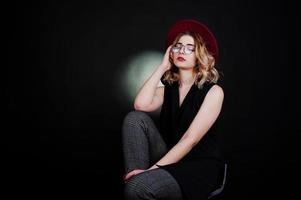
(188, 49)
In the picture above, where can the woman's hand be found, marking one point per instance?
(133, 173)
(165, 65)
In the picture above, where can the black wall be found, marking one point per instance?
(62, 115)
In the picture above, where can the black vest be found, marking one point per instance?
(175, 120)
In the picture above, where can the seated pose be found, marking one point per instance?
(181, 159)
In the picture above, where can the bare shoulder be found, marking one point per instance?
(216, 91)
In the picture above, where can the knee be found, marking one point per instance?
(130, 191)
(135, 189)
(135, 116)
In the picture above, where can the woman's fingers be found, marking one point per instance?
(133, 173)
(129, 175)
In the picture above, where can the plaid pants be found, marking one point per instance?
(142, 147)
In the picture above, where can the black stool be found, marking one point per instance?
(221, 186)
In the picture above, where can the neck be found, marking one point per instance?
(187, 77)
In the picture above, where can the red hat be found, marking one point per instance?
(194, 26)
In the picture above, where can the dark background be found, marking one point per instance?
(62, 116)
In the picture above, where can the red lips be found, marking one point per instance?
(180, 58)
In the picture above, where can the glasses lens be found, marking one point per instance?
(188, 49)
(175, 49)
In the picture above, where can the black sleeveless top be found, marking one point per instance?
(199, 171)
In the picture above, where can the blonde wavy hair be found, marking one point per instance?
(205, 63)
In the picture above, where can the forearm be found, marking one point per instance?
(175, 154)
(147, 91)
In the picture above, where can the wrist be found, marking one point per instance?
(155, 166)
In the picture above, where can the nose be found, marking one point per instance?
(182, 49)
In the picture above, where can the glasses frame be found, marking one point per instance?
(186, 51)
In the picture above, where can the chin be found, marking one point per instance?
(182, 66)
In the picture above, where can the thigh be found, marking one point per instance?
(139, 125)
(157, 145)
(154, 184)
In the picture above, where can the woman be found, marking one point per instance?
(181, 160)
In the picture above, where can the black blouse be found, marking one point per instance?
(199, 171)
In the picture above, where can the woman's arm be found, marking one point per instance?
(202, 122)
(147, 92)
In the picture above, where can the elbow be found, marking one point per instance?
(191, 141)
(138, 107)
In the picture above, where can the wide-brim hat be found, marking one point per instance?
(194, 26)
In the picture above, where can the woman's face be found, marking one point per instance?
(183, 52)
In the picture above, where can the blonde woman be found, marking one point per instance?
(181, 159)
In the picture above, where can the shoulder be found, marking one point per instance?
(215, 91)
(215, 88)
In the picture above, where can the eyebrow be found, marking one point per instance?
(186, 44)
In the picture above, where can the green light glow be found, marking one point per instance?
(137, 70)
